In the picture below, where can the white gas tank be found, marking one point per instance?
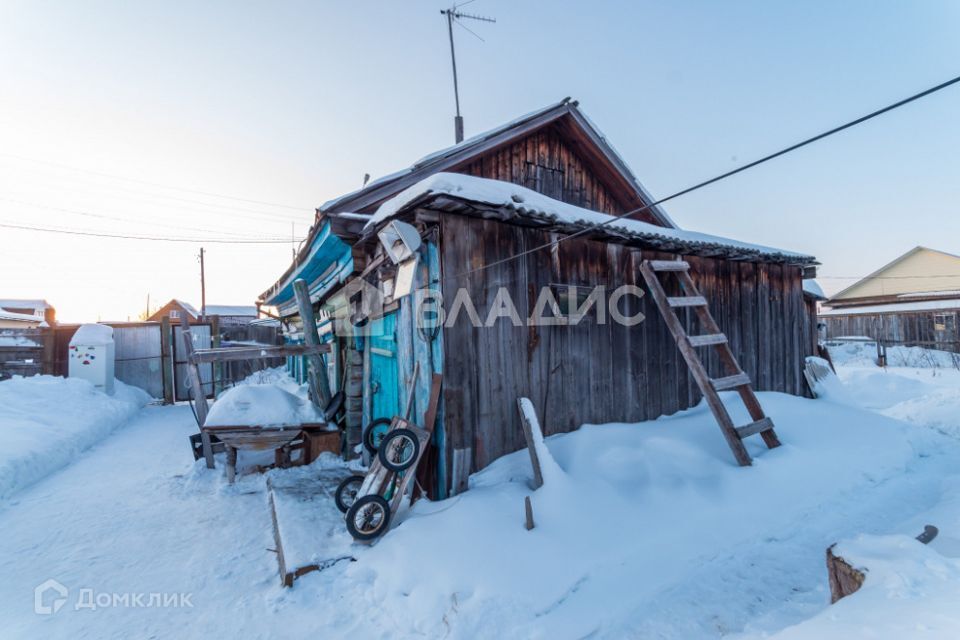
(92, 355)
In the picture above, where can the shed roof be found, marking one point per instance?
(895, 307)
(458, 193)
(444, 159)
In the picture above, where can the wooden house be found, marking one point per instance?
(913, 300)
(229, 315)
(488, 212)
(175, 309)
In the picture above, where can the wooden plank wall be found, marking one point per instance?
(592, 372)
(906, 327)
(546, 163)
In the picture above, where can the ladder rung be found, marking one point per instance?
(753, 428)
(712, 338)
(730, 382)
(687, 301)
(669, 265)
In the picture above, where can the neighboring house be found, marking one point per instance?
(230, 315)
(175, 310)
(16, 312)
(912, 300)
(495, 201)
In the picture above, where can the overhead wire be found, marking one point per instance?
(700, 185)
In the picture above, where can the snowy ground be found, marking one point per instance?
(47, 421)
(644, 531)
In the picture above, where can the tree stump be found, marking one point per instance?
(844, 578)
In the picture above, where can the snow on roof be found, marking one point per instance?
(812, 287)
(189, 308)
(895, 307)
(503, 133)
(931, 294)
(38, 305)
(231, 310)
(531, 203)
(18, 317)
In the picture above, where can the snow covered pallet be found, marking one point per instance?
(307, 525)
(736, 378)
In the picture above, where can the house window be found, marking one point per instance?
(945, 322)
(174, 314)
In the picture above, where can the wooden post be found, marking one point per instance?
(49, 340)
(217, 366)
(528, 434)
(528, 508)
(199, 398)
(317, 373)
(166, 360)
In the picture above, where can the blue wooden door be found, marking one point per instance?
(384, 374)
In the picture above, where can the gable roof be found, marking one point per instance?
(189, 308)
(597, 151)
(877, 275)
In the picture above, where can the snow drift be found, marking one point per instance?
(45, 421)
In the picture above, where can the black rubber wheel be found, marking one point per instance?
(374, 433)
(368, 517)
(399, 450)
(334, 406)
(347, 492)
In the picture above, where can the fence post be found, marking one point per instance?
(49, 339)
(217, 366)
(166, 365)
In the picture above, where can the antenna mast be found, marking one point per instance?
(453, 15)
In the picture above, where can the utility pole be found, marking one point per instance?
(456, 16)
(203, 290)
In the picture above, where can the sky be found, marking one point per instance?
(235, 120)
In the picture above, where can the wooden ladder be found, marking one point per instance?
(736, 379)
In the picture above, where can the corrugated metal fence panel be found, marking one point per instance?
(138, 359)
(201, 340)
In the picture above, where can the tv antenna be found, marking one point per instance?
(454, 15)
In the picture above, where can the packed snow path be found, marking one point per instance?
(698, 548)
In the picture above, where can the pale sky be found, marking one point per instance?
(290, 103)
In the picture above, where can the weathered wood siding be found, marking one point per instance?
(547, 163)
(917, 327)
(595, 373)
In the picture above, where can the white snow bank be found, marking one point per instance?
(910, 591)
(96, 334)
(45, 421)
(266, 398)
(863, 351)
(640, 508)
(499, 193)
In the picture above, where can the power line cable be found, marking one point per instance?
(700, 185)
(119, 219)
(154, 184)
(97, 234)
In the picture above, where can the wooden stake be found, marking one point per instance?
(528, 507)
(531, 447)
(317, 373)
(199, 398)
